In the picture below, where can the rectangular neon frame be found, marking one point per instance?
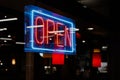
(41, 11)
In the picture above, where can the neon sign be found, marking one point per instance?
(48, 32)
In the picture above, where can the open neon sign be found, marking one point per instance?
(46, 31)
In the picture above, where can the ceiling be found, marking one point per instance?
(87, 13)
(100, 6)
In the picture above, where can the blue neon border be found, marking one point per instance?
(43, 12)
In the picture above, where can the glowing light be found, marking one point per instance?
(3, 29)
(90, 29)
(56, 32)
(9, 19)
(35, 26)
(6, 69)
(50, 38)
(57, 59)
(54, 50)
(68, 37)
(41, 54)
(96, 60)
(5, 41)
(74, 29)
(9, 35)
(96, 50)
(1, 64)
(5, 38)
(54, 69)
(41, 21)
(83, 41)
(20, 42)
(45, 67)
(5, 16)
(47, 55)
(48, 31)
(104, 47)
(13, 61)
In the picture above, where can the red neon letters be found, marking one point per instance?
(50, 29)
(39, 21)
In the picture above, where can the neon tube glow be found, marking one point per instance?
(48, 32)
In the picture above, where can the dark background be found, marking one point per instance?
(98, 13)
